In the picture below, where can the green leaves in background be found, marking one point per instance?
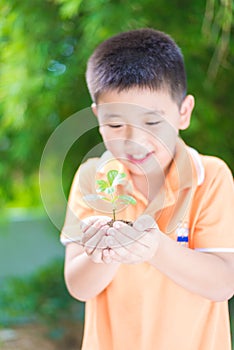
(38, 297)
(44, 47)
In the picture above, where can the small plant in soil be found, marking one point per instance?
(108, 191)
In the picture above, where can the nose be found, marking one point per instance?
(135, 137)
(135, 133)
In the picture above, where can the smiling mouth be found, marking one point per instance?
(139, 158)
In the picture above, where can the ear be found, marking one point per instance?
(186, 112)
(94, 108)
(95, 112)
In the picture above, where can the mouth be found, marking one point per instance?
(139, 158)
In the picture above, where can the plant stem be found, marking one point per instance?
(113, 206)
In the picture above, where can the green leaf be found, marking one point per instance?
(119, 179)
(127, 199)
(109, 190)
(94, 197)
(105, 198)
(111, 175)
(102, 185)
(69, 8)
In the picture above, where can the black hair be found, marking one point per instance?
(142, 58)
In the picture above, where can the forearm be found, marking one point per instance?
(201, 273)
(84, 278)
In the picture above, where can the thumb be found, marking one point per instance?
(144, 222)
(97, 221)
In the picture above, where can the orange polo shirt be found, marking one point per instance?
(141, 308)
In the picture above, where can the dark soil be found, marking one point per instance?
(110, 223)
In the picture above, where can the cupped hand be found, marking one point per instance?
(131, 245)
(94, 229)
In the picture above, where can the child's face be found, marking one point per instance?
(140, 127)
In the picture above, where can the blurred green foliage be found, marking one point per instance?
(44, 46)
(40, 297)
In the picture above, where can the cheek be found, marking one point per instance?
(166, 135)
(111, 140)
(108, 134)
(102, 130)
(105, 134)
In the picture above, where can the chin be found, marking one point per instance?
(137, 169)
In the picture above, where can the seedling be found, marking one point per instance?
(108, 191)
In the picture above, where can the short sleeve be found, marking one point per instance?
(213, 209)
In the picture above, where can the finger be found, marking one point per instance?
(92, 232)
(96, 239)
(144, 223)
(134, 251)
(96, 256)
(87, 222)
(101, 253)
(129, 234)
(96, 221)
(107, 255)
(115, 245)
(128, 231)
(117, 239)
(96, 252)
(123, 246)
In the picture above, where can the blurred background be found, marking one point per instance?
(44, 47)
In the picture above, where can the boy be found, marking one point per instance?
(164, 282)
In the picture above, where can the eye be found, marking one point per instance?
(152, 123)
(115, 125)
